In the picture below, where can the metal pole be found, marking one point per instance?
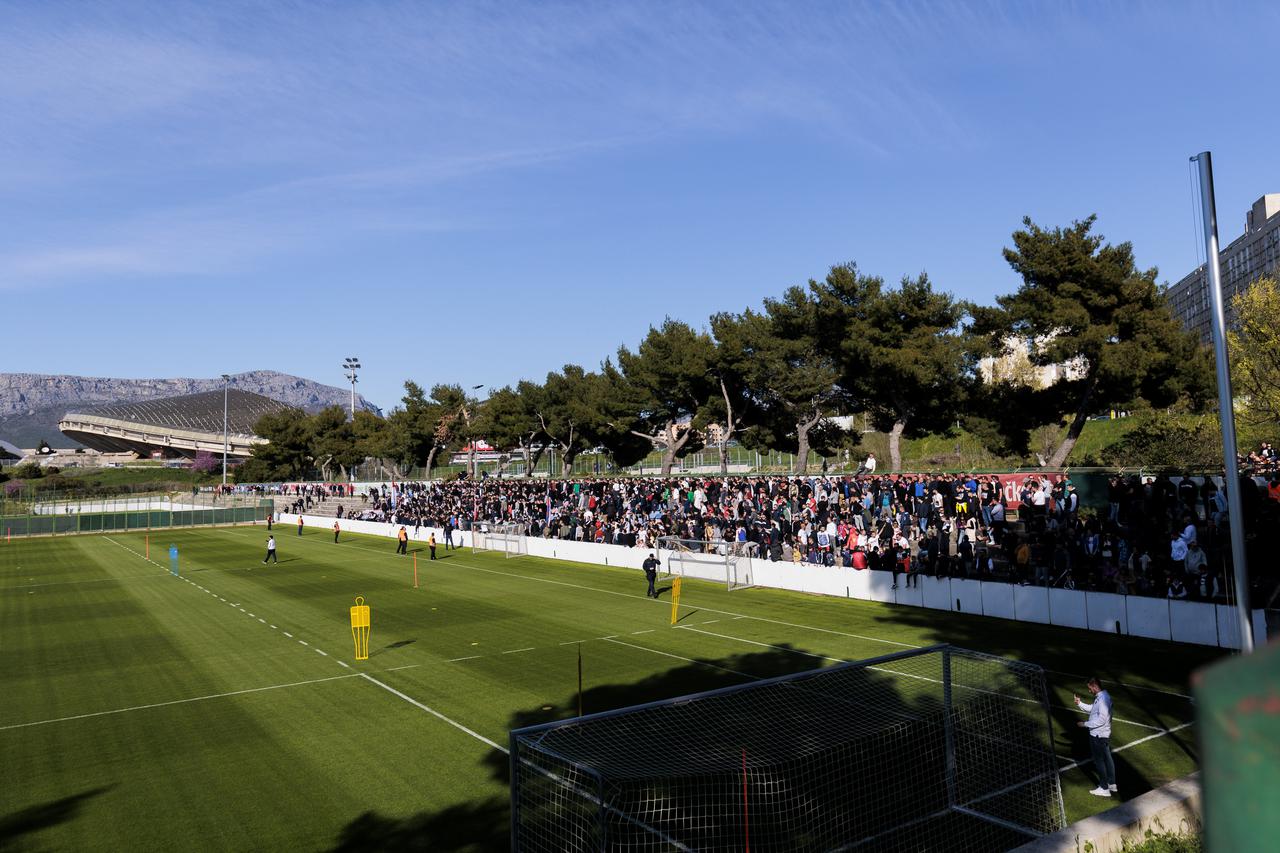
(1226, 411)
(226, 382)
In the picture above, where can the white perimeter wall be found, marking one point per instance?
(1197, 622)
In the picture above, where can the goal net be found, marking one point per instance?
(716, 560)
(931, 749)
(507, 538)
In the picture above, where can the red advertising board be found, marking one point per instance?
(1011, 484)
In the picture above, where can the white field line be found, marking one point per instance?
(368, 678)
(433, 712)
(681, 657)
(905, 674)
(729, 613)
(1073, 765)
(174, 702)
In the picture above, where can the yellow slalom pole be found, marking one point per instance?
(360, 628)
(675, 600)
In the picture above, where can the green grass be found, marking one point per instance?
(147, 711)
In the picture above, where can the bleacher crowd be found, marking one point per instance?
(1163, 536)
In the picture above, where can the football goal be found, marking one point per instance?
(507, 538)
(722, 560)
(937, 748)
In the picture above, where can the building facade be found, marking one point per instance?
(1249, 257)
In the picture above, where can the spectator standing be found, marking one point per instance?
(1099, 726)
(651, 575)
(271, 551)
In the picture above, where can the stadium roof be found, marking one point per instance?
(175, 426)
(10, 451)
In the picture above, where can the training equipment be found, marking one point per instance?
(721, 560)
(675, 600)
(360, 628)
(935, 748)
(507, 538)
(173, 560)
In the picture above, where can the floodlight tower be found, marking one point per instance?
(351, 365)
(226, 384)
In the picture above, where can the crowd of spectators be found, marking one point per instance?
(1163, 536)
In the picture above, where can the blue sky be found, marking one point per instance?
(483, 192)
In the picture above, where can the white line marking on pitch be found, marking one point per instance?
(273, 627)
(646, 631)
(344, 664)
(1073, 765)
(263, 621)
(174, 702)
(690, 660)
(517, 651)
(468, 657)
(287, 634)
(433, 712)
(404, 666)
(321, 652)
(304, 642)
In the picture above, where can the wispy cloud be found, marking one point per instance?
(208, 124)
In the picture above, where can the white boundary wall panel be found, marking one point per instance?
(1228, 626)
(1106, 611)
(997, 600)
(1148, 617)
(937, 593)
(860, 584)
(1031, 604)
(1195, 622)
(1068, 609)
(910, 596)
(968, 594)
(880, 587)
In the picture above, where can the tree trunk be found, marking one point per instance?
(1077, 426)
(534, 458)
(431, 459)
(566, 463)
(895, 444)
(674, 444)
(724, 459)
(802, 443)
(524, 453)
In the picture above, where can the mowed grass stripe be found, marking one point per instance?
(500, 605)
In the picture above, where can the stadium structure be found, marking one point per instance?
(173, 427)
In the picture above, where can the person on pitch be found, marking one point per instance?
(431, 543)
(299, 525)
(335, 532)
(402, 547)
(271, 551)
(651, 575)
(1099, 726)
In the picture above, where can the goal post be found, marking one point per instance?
(934, 748)
(708, 559)
(505, 537)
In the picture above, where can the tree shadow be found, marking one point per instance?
(481, 826)
(844, 741)
(1070, 656)
(35, 818)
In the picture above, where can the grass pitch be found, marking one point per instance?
(223, 709)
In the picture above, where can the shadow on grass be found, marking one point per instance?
(480, 826)
(399, 644)
(45, 815)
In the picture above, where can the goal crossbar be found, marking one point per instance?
(709, 559)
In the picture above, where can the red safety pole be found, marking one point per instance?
(415, 569)
(746, 824)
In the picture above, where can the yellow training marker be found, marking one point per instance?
(360, 628)
(675, 599)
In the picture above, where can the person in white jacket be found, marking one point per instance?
(1099, 726)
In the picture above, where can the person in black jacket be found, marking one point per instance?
(651, 574)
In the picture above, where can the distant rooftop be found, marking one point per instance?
(193, 412)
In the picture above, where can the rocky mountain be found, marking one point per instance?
(31, 404)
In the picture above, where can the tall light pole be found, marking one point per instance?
(351, 365)
(471, 444)
(1226, 409)
(226, 384)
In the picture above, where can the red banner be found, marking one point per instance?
(1012, 484)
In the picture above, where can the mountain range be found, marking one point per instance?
(31, 404)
